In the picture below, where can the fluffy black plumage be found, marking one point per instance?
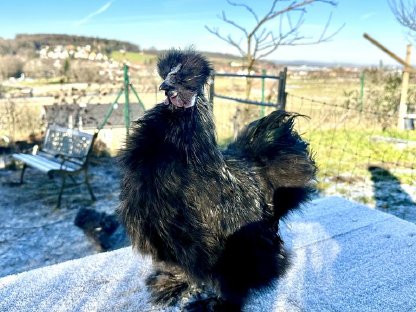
(209, 218)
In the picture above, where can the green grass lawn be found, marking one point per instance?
(340, 152)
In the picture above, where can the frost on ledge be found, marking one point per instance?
(346, 257)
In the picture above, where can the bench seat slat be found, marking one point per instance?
(69, 162)
(41, 163)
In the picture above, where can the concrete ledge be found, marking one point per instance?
(346, 257)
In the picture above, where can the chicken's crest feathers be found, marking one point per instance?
(192, 69)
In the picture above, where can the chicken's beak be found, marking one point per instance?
(166, 86)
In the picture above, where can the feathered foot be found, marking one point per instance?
(167, 287)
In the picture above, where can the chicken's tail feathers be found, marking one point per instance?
(265, 137)
(281, 156)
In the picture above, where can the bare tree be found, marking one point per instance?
(265, 37)
(405, 13)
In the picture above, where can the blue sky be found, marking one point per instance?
(179, 23)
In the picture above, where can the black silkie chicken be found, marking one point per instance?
(209, 218)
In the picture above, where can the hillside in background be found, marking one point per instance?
(70, 58)
(30, 43)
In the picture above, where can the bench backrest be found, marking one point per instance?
(71, 143)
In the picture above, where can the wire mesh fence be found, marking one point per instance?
(360, 154)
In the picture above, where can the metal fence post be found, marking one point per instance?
(362, 77)
(211, 92)
(126, 95)
(262, 109)
(281, 93)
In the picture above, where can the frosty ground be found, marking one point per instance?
(34, 234)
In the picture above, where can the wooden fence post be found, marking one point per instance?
(405, 87)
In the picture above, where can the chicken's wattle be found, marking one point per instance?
(173, 98)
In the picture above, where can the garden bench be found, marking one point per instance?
(65, 152)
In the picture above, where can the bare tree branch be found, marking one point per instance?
(224, 18)
(261, 41)
(405, 13)
(228, 39)
(289, 38)
(246, 7)
(265, 37)
(292, 7)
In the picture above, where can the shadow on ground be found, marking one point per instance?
(389, 195)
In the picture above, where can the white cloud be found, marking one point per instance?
(368, 16)
(101, 10)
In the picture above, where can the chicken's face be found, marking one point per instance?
(185, 73)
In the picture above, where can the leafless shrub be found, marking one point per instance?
(19, 121)
(382, 98)
(10, 66)
(39, 68)
(83, 71)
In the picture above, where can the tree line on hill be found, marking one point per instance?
(28, 44)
